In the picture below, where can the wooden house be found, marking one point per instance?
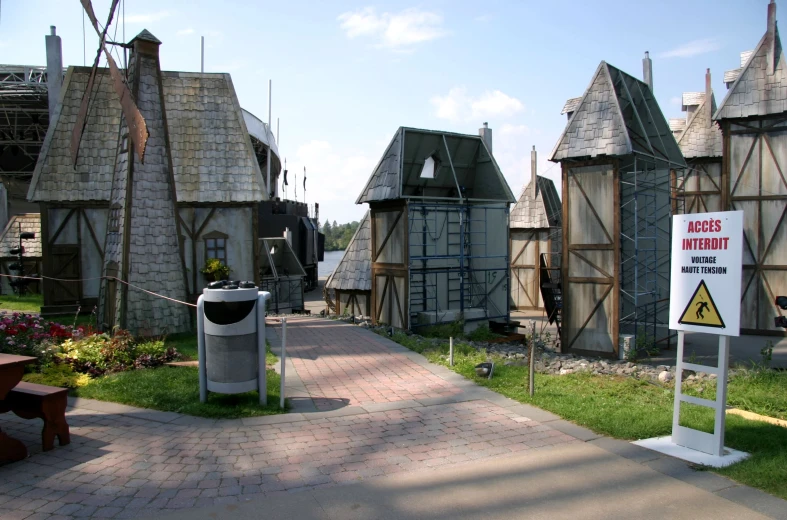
(698, 189)
(535, 230)
(439, 209)
(616, 154)
(9, 239)
(753, 120)
(151, 224)
(348, 289)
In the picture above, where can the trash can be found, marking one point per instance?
(231, 339)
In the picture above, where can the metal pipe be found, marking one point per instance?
(268, 135)
(202, 55)
(203, 373)
(283, 356)
(451, 351)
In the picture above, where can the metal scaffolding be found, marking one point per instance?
(646, 205)
(454, 268)
(24, 119)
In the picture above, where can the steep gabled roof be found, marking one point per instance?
(702, 137)
(618, 115)
(755, 92)
(354, 272)
(544, 211)
(464, 168)
(9, 239)
(212, 156)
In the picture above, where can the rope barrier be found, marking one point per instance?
(40, 278)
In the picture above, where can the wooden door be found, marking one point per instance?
(591, 258)
(526, 247)
(64, 266)
(390, 278)
(756, 154)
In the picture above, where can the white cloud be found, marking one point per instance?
(323, 162)
(484, 18)
(397, 31)
(148, 17)
(185, 32)
(457, 105)
(692, 48)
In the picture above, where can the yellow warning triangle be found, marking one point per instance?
(701, 309)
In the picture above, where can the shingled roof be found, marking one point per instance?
(618, 115)
(354, 272)
(701, 137)
(10, 237)
(212, 156)
(544, 211)
(755, 92)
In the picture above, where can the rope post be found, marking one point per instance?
(283, 356)
(531, 363)
(451, 351)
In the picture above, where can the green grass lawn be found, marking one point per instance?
(629, 409)
(177, 390)
(26, 303)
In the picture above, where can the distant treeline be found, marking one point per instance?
(338, 236)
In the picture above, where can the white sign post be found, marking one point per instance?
(705, 296)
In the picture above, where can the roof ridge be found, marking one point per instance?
(746, 68)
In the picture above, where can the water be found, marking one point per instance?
(332, 259)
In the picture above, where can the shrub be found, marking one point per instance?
(101, 353)
(60, 375)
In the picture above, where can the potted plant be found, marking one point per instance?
(215, 270)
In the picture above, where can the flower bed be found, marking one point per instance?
(69, 356)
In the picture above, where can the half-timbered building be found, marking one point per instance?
(115, 224)
(753, 120)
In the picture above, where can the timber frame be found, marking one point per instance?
(761, 269)
(387, 300)
(533, 293)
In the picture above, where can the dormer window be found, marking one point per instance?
(431, 167)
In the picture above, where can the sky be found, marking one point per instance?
(347, 74)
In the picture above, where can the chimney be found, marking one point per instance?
(647, 70)
(54, 69)
(770, 41)
(486, 135)
(709, 96)
(533, 172)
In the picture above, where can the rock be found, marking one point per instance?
(665, 376)
(564, 371)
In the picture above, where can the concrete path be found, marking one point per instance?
(407, 438)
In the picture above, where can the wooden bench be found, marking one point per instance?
(30, 401)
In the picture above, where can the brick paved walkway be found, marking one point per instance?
(403, 415)
(343, 366)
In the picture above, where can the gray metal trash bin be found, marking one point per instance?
(231, 339)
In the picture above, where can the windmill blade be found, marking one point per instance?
(81, 122)
(137, 128)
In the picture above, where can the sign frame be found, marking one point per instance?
(707, 248)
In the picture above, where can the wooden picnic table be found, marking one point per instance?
(12, 368)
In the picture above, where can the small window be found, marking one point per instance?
(124, 143)
(216, 246)
(114, 218)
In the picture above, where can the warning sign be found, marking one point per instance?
(701, 309)
(705, 278)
